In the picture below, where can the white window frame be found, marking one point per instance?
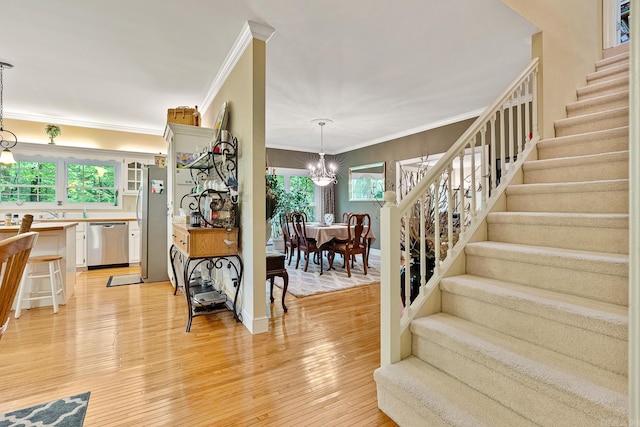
(61, 183)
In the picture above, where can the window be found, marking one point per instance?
(92, 183)
(298, 193)
(28, 181)
(40, 182)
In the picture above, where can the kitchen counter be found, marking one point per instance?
(92, 219)
(53, 238)
(38, 226)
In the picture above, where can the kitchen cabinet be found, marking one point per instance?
(135, 245)
(132, 174)
(81, 245)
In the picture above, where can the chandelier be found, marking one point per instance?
(6, 157)
(320, 175)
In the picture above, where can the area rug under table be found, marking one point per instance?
(303, 284)
(67, 412)
(124, 279)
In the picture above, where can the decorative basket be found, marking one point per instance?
(184, 116)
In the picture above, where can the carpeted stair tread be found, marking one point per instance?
(608, 220)
(593, 122)
(612, 165)
(596, 316)
(428, 390)
(579, 385)
(604, 196)
(570, 187)
(598, 104)
(597, 262)
(581, 231)
(612, 61)
(615, 139)
(588, 330)
(598, 276)
(603, 88)
(618, 69)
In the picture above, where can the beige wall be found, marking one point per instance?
(244, 92)
(75, 136)
(569, 44)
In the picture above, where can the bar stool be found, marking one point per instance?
(55, 280)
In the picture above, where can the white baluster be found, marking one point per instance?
(473, 177)
(527, 110)
(492, 154)
(450, 208)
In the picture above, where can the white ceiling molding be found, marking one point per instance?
(80, 123)
(250, 30)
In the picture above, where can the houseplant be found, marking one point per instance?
(52, 132)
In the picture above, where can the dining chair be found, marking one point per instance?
(290, 243)
(304, 215)
(345, 217)
(358, 226)
(14, 253)
(306, 245)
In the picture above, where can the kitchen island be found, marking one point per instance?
(54, 238)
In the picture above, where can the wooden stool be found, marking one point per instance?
(57, 286)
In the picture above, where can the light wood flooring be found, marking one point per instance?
(127, 345)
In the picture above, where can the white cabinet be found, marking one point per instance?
(135, 245)
(181, 139)
(132, 174)
(81, 245)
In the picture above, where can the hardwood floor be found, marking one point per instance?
(128, 346)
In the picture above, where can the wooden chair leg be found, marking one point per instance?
(351, 259)
(306, 263)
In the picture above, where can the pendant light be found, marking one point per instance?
(320, 175)
(6, 157)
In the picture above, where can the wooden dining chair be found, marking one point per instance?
(358, 226)
(305, 245)
(345, 217)
(304, 215)
(290, 242)
(14, 253)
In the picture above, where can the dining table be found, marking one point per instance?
(323, 234)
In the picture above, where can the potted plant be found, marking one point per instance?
(53, 132)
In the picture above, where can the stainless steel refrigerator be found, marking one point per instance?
(151, 209)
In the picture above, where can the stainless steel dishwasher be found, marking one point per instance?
(107, 244)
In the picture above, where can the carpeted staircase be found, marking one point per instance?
(535, 332)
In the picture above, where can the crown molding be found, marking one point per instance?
(250, 31)
(83, 124)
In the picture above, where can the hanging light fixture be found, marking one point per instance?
(320, 175)
(6, 157)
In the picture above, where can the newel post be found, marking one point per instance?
(390, 299)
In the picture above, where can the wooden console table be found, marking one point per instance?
(276, 268)
(213, 249)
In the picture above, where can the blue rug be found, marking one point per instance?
(67, 412)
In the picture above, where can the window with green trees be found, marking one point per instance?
(26, 181)
(91, 183)
(34, 180)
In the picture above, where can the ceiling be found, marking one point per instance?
(378, 69)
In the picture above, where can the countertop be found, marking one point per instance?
(38, 226)
(92, 219)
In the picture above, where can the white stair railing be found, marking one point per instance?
(422, 234)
